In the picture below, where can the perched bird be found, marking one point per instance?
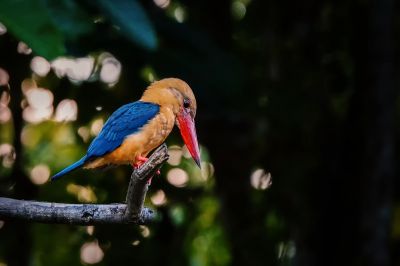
(135, 129)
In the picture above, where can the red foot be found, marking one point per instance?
(141, 160)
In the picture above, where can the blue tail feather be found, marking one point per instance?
(70, 168)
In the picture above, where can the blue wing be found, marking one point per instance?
(125, 121)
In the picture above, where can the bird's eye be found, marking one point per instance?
(186, 103)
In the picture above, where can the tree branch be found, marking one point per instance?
(89, 214)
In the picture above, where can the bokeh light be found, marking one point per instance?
(110, 70)
(136, 243)
(82, 70)
(28, 137)
(3, 29)
(1, 224)
(91, 253)
(158, 198)
(7, 153)
(40, 174)
(175, 155)
(207, 170)
(144, 230)
(162, 3)
(4, 77)
(238, 10)
(62, 65)
(5, 95)
(260, 179)
(84, 133)
(40, 66)
(22, 48)
(40, 105)
(39, 98)
(185, 152)
(180, 14)
(84, 194)
(148, 74)
(67, 110)
(177, 177)
(96, 126)
(28, 84)
(5, 114)
(77, 70)
(287, 250)
(177, 214)
(90, 230)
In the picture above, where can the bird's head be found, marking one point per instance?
(176, 95)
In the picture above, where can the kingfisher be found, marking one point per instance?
(137, 128)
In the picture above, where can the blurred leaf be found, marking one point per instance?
(177, 214)
(30, 22)
(72, 20)
(132, 19)
(206, 239)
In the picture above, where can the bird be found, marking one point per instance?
(137, 128)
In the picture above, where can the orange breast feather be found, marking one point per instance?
(149, 137)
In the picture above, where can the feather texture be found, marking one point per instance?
(69, 168)
(125, 121)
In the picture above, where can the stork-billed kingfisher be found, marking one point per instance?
(135, 129)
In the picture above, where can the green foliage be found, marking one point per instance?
(48, 27)
(70, 18)
(206, 241)
(31, 22)
(130, 16)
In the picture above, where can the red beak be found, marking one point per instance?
(188, 132)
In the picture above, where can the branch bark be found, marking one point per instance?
(132, 212)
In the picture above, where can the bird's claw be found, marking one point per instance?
(141, 160)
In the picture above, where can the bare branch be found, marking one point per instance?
(89, 214)
(140, 181)
(81, 214)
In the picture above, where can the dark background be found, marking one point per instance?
(303, 90)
